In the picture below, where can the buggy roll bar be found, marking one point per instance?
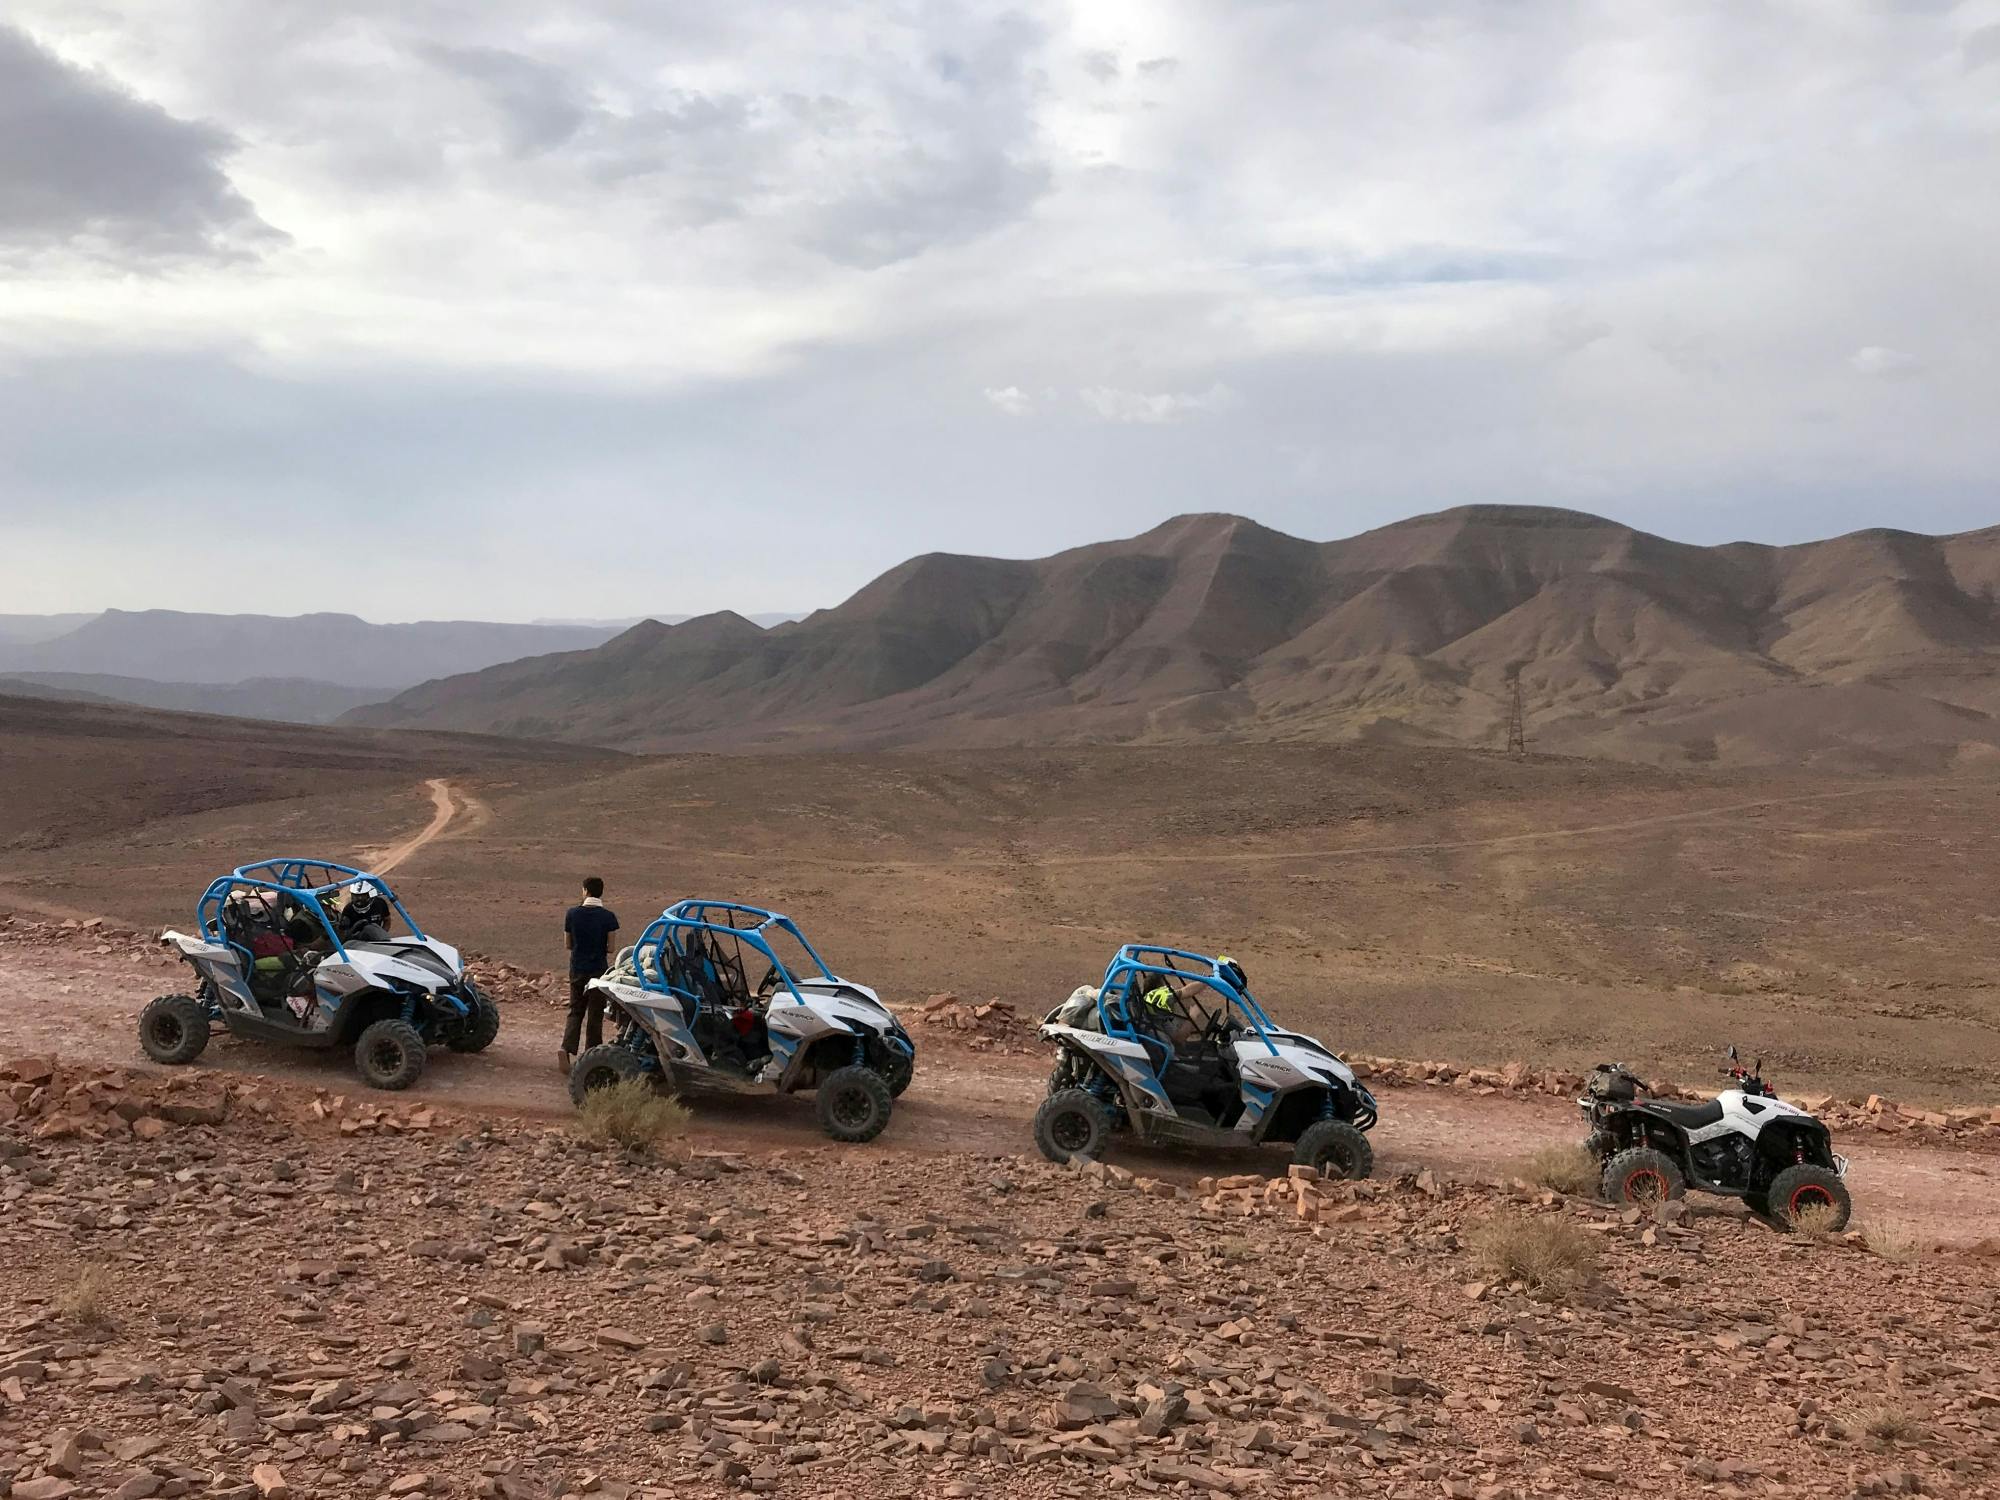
(747, 924)
(306, 880)
(1135, 960)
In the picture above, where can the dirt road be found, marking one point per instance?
(444, 810)
(82, 1004)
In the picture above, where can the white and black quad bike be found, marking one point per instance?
(305, 953)
(1172, 1049)
(1746, 1142)
(690, 1020)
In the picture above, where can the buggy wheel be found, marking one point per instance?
(602, 1067)
(1070, 1124)
(899, 1074)
(173, 1029)
(389, 1055)
(1807, 1190)
(1642, 1175)
(1335, 1148)
(853, 1104)
(475, 1032)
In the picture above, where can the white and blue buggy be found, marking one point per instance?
(1172, 1048)
(690, 1019)
(307, 953)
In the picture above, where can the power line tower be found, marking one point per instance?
(1517, 723)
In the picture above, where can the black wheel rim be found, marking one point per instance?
(167, 1031)
(599, 1078)
(852, 1108)
(1070, 1129)
(1336, 1160)
(386, 1056)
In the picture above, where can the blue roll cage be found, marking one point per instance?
(1135, 962)
(748, 924)
(305, 880)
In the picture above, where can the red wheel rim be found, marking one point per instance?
(1807, 1195)
(1645, 1186)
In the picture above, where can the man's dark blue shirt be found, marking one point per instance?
(590, 929)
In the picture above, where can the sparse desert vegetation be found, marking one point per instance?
(631, 1113)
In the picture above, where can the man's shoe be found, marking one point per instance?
(564, 1061)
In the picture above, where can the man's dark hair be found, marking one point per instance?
(593, 886)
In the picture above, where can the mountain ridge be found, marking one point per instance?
(1213, 626)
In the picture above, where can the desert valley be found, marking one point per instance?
(1755, 807)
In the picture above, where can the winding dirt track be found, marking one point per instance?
(82, 1004)
(444, 810)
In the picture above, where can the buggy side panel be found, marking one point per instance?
(219, 964)
(659, 1014)
(1125, 1062)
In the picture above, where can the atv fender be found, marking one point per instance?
(1785, 1143)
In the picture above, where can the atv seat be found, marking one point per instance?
(1689, 1116)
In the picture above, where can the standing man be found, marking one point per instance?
(587, 930)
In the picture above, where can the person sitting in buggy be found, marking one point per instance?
(278, 937)
(1198, 1067)
(361, 915)
(730, 1024)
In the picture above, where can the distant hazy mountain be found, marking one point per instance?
(292, 700)
(167, 646)
(767, 621)
(23, 630)
(1879, 648)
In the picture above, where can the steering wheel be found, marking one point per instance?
(768, 985)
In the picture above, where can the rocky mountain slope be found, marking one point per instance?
(1878, 648)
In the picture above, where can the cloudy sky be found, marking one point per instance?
(514, 308)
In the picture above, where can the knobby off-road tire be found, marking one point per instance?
(389, 1055)
(601, 1067)
(1335, 1148)
(1796, 1189)
(1642, 1175)
(1071, 1123)
(477, 1031)
(853, 1104)
(173, 1029)
(900, 1073)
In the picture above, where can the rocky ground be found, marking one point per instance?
(233, 1299)
(256, 1280)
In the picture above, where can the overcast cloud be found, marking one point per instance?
(537, 309)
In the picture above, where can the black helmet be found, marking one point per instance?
(1232, 971)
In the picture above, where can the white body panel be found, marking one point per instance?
(1745, 1115)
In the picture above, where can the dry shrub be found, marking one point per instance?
(1816, 1222)
(1549, 1253)
(1890, 1424)
(1565, 1169)
(633, 1114)
(88, 1300)
(1893, 1243)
